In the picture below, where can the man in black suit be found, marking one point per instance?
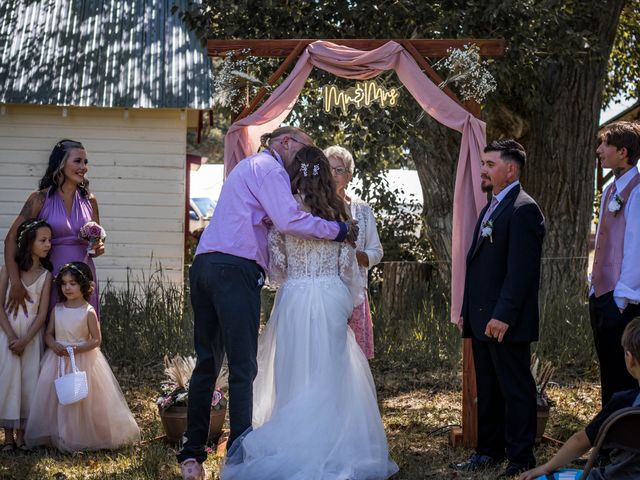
(500, 312)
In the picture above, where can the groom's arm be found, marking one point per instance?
(274, 194)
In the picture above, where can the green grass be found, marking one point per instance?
(417, 374)
(414, 404)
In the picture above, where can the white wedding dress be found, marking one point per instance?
(315, 412)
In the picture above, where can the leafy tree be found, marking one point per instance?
(552, 83)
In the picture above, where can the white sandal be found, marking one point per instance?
(192, 470)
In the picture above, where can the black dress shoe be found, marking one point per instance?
(476, 462)
(514, 469)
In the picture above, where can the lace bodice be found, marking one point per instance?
(307, 258)
(293, 258)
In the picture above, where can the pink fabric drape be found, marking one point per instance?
(243, 137)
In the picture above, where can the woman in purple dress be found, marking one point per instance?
(64, 201)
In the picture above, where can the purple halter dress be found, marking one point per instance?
(65, 245)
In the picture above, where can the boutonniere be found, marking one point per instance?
(615, 204)
(487, 230)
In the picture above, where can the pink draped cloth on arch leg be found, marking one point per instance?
(242, 139)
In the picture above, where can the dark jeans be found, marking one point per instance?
(608, 324)
(225, 295)
(506, 400)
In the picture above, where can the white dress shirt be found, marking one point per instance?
(627, 289)
(505, 190)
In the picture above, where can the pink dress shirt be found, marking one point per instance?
(257, 188)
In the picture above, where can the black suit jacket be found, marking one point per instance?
(503, 272)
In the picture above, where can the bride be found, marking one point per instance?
(315, 413)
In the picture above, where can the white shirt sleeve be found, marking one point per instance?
(628, 287)
(372, 246)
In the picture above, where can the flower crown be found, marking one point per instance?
(71, 266)
(34, 224)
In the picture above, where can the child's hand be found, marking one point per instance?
(533, 474)
(60, 350)
(17, 346)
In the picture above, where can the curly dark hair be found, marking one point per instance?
(81, 273)
(54, 177)
(27, 233)
(310, 174)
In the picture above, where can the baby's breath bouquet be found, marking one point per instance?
(234, 80)
(468, 72)
(175, 388)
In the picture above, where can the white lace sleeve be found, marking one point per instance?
(350, 273)
(277, 258)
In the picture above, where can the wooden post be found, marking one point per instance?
(469, 434)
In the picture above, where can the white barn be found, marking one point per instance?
(127, 80)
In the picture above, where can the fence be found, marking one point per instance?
(151, 317)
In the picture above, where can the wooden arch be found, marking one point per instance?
(291, 49)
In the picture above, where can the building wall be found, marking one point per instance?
(136, 170)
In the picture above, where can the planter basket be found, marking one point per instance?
(542, 418)
(174, 421)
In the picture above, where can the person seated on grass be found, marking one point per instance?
(623, 465)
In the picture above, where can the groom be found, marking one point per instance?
(227, 275)
(500, 312)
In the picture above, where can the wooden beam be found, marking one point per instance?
(295, 53)
(282, 48)
(428, 69)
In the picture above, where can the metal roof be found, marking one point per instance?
(101, 53)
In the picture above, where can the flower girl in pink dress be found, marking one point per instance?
(21, 333)
(102, 420)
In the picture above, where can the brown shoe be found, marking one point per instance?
(192, 470)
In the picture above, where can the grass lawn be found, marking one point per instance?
(414, 404)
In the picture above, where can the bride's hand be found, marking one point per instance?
(352, 232)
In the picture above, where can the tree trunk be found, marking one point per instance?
(560, 143)
(559, 135)
(404, 285)
(436, 162)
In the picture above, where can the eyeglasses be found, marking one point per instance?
(339, 170)
(297, 141)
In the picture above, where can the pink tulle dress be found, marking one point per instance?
(100, 421)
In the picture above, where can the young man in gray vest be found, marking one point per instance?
(614, 292)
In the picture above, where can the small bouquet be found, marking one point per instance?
(486, 230)
(615, 204)
(93, 233)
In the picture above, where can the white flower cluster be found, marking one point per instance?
(615, 204)
(486, 229)
(232, 83)
(469, 72)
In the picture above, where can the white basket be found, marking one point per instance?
(71, 387)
